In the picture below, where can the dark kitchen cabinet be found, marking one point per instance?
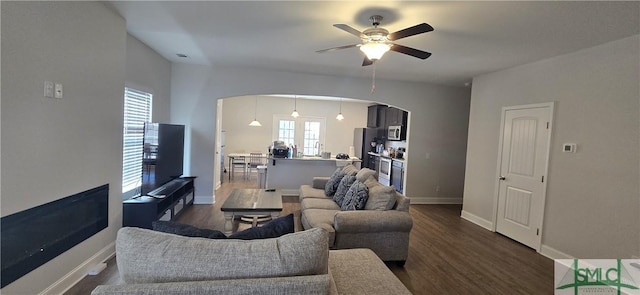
(376, 116)
(372, 117)
(397, 175)
(372, 162)
(395, 117)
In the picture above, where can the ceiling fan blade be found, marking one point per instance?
(366, 62)
(410, 51)
(348, 29)
(417, 29)
(337, 48)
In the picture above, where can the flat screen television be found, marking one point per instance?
(162, 155)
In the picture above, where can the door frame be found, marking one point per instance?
(496, 195)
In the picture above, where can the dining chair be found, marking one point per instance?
(255, 160)
(239, 162)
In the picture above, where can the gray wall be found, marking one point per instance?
(592, 206)
(150, 72)
(53, 148)
(438, 121)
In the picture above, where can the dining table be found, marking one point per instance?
(245, 156)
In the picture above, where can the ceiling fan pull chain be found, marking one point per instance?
(373, 80)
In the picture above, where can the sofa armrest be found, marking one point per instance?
(320, 182)
(365, 221)
(311, 284)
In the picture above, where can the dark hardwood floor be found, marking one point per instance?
(447, 254)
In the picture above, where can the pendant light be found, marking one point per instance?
(340, 117)
(295, 105)
(255, 122)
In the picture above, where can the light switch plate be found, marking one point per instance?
(569, 148)
(48, 89)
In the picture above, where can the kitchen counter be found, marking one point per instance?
(381, 155)
(287, 174)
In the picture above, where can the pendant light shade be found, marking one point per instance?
(295, 105)
(340, 117)
(255, 122)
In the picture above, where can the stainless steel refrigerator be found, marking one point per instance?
(362, 139)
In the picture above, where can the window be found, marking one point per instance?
(137, 111)
(287, 131)
(305, 132)
(311, 138)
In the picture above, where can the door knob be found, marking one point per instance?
(502, 178)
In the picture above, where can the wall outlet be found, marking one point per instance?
(437, 188)
(97, 269)
(58, 90)
(427, 156)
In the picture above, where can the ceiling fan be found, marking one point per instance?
(376, 41)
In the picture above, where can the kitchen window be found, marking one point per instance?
(305, 132)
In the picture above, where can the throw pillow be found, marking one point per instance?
(272, 229)
(186, 230)
(356, 197)
(342, 189)
(381, 197)
(333, 182)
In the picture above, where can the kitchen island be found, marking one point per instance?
(287, 174)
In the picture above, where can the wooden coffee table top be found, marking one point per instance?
(253, 200)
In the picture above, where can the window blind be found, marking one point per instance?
(137, 111)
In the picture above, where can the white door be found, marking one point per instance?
(522, 170)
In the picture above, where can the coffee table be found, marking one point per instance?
(250, 202)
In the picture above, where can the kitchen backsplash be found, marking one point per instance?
(395, 144)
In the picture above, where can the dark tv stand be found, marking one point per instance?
(163, 203)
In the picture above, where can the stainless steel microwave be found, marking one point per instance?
(394, 132)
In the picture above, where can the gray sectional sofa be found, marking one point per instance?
(151, 262)
(383, 225)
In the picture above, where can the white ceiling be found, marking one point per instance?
(470, 38)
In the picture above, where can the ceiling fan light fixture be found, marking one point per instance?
(375, 50)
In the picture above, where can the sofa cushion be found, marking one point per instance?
(364, 174)
(146, 256)
(350, 169)
(272, 229)
(343, 187)
(186, 230)
(356, 197)
(320, 218)
(381, 197)
(360, 271)
(307, 191)
(315, 203)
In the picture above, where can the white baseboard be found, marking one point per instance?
(435, 201)
(551, 253)
(65, 283)
(487, 224)
(203, 200)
